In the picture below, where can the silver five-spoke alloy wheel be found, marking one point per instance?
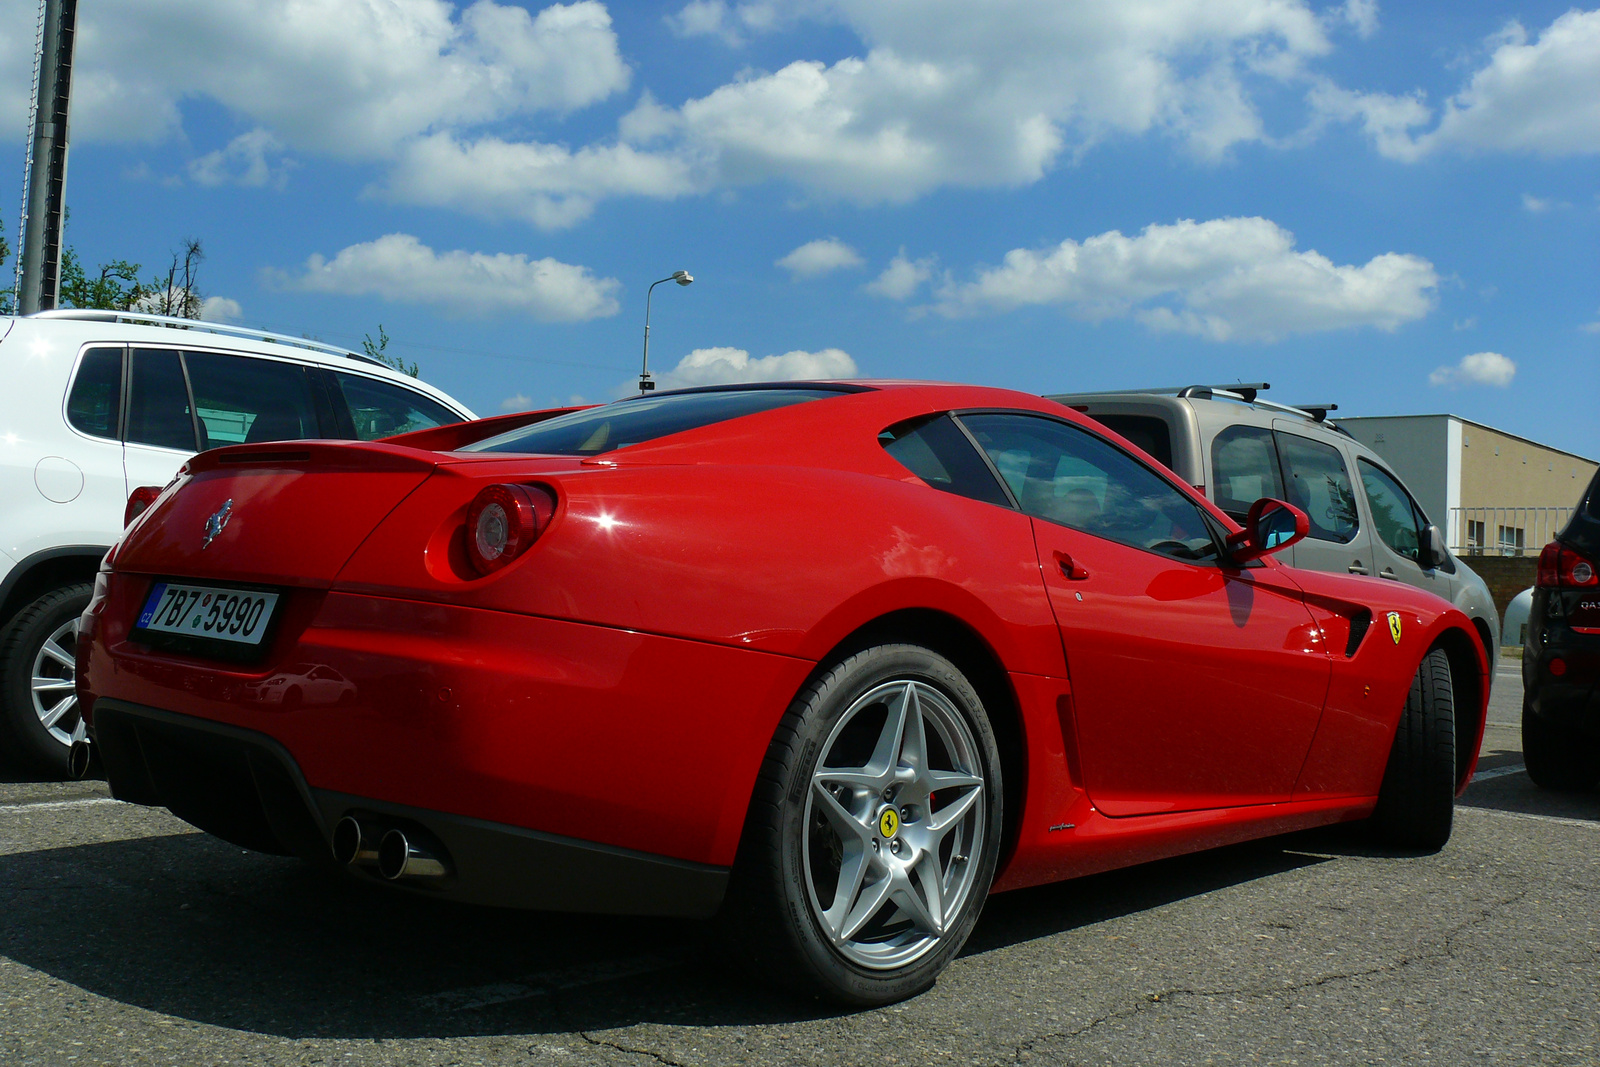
(894, 823)
(55, 699)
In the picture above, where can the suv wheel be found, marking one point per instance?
(1558, 758)
(38, 703)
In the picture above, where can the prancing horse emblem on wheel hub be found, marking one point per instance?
(889, 822)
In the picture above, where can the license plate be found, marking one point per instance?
(239, 616)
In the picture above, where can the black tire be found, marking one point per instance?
(1558, 758)
(1416, 803)
(21, 647)
(771, 918)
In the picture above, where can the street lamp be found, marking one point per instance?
(682, 277)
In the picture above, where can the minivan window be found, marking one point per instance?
(95, 403)
(1396, 518)
(382, 409)
(251, 399)
(1244, 468)
(158, 402)
(1318, 483)
(1147, 431)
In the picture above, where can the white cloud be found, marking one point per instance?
(353, 80)
(902, 277)
(402, 269)
(220, 309)
(516, 402)
(1538, 205)
(1480, 368)
(724, 366)
(244, 162)
(1590, 327)
(819, 257)
(547, 185)
(1540, 97)
(1232, 278)
(1362, 14)
(715, 18)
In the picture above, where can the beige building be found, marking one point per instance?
(1489, 491)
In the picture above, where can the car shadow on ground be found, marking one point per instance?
(188, 926)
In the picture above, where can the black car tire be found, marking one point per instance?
(20, 646)
(1416, 802)
(1558, 757)
(770, 917)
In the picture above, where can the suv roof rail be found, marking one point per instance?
(144, 318)
(1244, 392)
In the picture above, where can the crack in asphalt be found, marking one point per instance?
(1148, 1000)
(599, 1043)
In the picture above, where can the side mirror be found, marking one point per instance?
(1269, 526)
(1433, 551)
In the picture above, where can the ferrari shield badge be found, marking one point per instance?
(1394, 626)
(219, 519)
(889, 822)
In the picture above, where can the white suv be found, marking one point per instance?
(96, 404)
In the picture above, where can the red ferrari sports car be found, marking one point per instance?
(838, 659)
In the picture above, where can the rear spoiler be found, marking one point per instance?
(458, 435)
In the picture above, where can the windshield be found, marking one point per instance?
(631, 422)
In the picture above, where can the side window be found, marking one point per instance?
(382, 409)
(158, 402)
(936, 451)
(1069, 476)
(1147, 431)
(1319, 485)
(247, 399)
(95, 403)
(1244, 468)
(1394, 516)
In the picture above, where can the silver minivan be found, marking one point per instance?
(1236, 448)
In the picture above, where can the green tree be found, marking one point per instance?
(116, 288)
(6, 307)
(375, 350)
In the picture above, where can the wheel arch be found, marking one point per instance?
(49, 569)
(963, 646)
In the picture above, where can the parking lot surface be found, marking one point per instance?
(126, 937)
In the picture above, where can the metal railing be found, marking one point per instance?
(1504, 531)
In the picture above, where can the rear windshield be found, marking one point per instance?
(634, 421)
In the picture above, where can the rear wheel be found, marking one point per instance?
(1416, 803)
(38, 702)
(873, 833)
(1558, 757)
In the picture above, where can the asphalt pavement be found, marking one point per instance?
(126, 937)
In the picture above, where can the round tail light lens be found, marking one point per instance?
(503, 521)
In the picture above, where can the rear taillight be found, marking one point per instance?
(1562, 568)
(503, 521)
(139, 500)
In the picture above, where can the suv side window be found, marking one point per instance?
(158, 401)
(95, 403)
(1319, 485)
(382, 409)
(1396, 518)
(251, 399)
(1068, 476)
(936, 451)
(1244, 468)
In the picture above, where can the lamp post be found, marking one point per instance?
(682, 277)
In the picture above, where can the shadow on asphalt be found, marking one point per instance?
(191, 927)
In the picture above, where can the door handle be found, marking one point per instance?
(1389, 573)
(1357, 568)
(1071, 570)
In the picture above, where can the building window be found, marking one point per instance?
(1476, 530)
(1511, 540)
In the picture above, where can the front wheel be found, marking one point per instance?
(1416, 802)
(874, 831)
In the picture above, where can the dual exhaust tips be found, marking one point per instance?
(396, 853)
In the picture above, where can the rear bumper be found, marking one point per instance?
(245, 787)
(1571, 698)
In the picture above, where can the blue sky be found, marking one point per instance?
(1393, 207)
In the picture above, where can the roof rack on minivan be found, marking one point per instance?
(1244, 392)
(138, 318)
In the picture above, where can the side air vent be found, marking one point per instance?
(1360, 623)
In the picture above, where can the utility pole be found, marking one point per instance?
(45, 183)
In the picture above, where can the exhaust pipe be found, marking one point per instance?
(83, 761)
(356, 843)
(401, 855)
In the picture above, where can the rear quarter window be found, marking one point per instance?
(95, 403)
(1147, 431)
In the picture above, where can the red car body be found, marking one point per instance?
(582, 729)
